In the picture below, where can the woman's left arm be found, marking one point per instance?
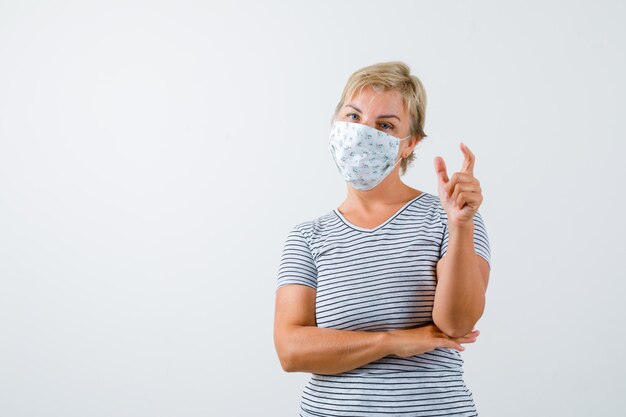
(462, 278)
(462, 274)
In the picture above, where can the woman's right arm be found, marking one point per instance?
(304, 347)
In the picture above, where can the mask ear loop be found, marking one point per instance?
(397, 162)
(394, 165)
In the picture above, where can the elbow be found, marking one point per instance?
(286, 363)
(288, 351)
(454, 331)
(286, 357)
(455, 327)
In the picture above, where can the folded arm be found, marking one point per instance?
(304, 347)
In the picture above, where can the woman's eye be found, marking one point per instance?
(349, 116)
(386, 126)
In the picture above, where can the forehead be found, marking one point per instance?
(369, 99)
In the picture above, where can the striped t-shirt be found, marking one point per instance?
(380, 279)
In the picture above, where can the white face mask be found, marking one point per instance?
(364, 156)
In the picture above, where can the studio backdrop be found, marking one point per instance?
(155, 154)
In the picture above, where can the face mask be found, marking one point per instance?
(364, 156)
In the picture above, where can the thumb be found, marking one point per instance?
(440, 168)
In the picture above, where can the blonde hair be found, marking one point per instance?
(396, 76)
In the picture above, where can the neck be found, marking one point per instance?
(390, 191)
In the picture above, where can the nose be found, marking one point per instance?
(369, 123)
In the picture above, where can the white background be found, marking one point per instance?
(154, 155)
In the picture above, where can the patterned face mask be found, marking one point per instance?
(364, 156)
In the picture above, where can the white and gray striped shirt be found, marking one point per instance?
(377, 280)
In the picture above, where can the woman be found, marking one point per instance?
(366, 301)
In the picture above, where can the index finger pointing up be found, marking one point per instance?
(468, 162)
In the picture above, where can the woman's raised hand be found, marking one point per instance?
(409, 342)
(460, 195)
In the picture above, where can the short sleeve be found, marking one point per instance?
(481, 240)
(297, 265)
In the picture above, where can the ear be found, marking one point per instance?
(411, 144)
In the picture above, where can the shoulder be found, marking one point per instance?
(314, 228)
(429, 200)
(428, 206)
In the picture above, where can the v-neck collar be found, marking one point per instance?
(393, 216)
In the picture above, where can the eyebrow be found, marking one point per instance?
(382, 116)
